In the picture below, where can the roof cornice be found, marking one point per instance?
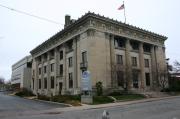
(96, 16)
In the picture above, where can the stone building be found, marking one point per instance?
(21, 73)
(119, 55)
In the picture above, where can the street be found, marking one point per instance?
(17, 108)
(14, 106)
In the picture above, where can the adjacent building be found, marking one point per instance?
(21, 73)
(119, 55)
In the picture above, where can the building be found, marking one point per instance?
(21, 73)
(119, 55)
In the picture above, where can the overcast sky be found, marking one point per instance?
(21, 33)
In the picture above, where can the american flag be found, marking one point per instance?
(121, 7)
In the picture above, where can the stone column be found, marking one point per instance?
(36, 76)
(56, 66)
(142, 72)
(65, 75)
(128, 65)
(75, 71)
(48, 73)
(153, 68)
(112, 61)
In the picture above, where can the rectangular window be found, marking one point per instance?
(70, 80)
(52, 67)
(84, 56)
(33, 83)
(45, 69)
(61, 69)
(119, 42)
(70, 61)
(120, 78)
(45, 83)
(39, 71)
(119, 59)
(39, 83)
(147, 79)
(146, 62)
(134, 61)
(45, 57)
(52, 54)
(52, 81)
(61, 55)
(135, 80)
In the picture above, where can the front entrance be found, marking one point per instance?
(60, 88)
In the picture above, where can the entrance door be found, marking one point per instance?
(60, 88)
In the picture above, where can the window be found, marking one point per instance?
(52, 54)
(120, 78)
(61, 70)
(39, 83)
(147, 48)
(135, 45)
(135, 79)
(119, 59)
(45, 83)
(70, 61)
(146, 62)
(147, 79)
(39, 71)
(119, 42)
(52, 81)
(84, 56)
(61, 55)
(45, 69)
(70, 80)
(52, 67)
(134, 61)
(39, 59)
(33, 83)
(45, 56)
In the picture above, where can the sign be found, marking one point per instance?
(86, 81)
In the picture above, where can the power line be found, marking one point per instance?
(22, 12)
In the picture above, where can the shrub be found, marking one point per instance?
(102, 99)
(43, 97)
(24, 92)
(99, 88)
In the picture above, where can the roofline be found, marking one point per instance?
(97, 16)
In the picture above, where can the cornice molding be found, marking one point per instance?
(92, 20)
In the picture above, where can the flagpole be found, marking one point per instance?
(124, 13)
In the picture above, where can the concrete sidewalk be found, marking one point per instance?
(88, 107)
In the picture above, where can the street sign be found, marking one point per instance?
(86, 81)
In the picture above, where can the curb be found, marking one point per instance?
(69, 105)
(89, 107)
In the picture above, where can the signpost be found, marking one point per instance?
(86, 87)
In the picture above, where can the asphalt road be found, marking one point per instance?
(162, 109)
(15, 106)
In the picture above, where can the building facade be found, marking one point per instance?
(119, 55)
(21, 73)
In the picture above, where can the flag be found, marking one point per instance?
(121, 7)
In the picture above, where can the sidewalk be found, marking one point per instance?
(88, 107)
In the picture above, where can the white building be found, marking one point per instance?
(21, 73)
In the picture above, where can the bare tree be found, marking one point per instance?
(2, 80)
(163, 80)
(176, 66)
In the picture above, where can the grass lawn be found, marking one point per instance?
(127, 97)
(102, 100)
